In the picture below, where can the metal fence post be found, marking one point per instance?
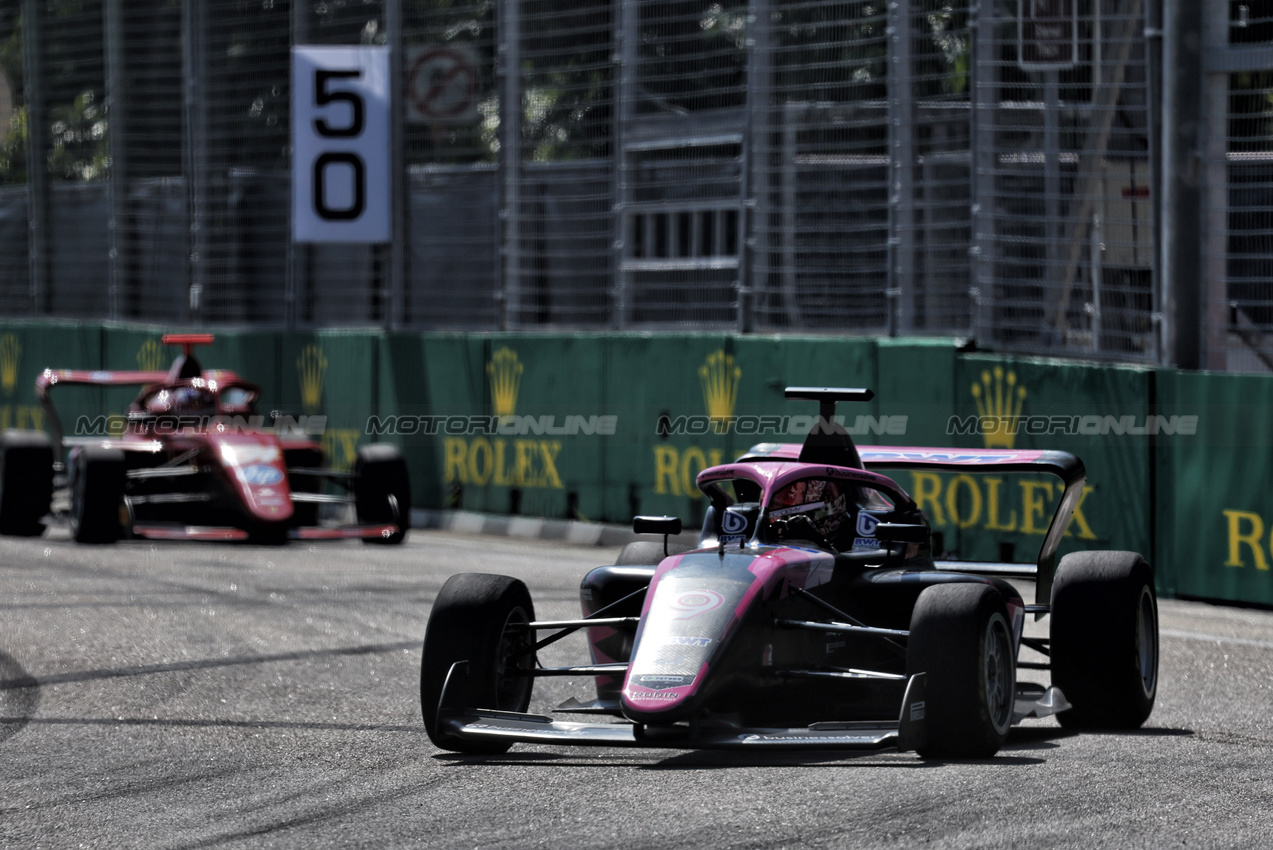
(901, 147)
(757, 176)
(194, 23)
(627, 36)
(118, 185)
(1154, 54)
(37, 150)
(510, 157)
(396, 313)
(298, 254)
(1214, 235)
(984, 97)
(1182, 196)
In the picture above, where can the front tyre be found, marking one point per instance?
(26, 482)
(480, 619)
(1104, 639)
(382, 490)
(97, 494)
(961, 638)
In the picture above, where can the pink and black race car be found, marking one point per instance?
(192, 459)
(812, 614)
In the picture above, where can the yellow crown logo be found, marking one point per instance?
(311, 366)
(10, 355)
(999, 403)
(505, 374)
(150, 357)
(719, 377)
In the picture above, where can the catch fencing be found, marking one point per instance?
(913, 167)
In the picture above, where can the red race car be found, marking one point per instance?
(193, 459)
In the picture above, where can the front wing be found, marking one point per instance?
(909, 732)
(160, 531)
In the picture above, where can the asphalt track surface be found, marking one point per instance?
(197, 695)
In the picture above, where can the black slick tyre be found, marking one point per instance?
(97, 494)
(962, 639)
(26, 482)
(1104, 639)
(382, 490)
(478, 618)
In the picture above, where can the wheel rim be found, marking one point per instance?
(1147, 642)
(514, 654)
(999, 670)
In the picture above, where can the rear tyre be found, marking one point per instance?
(26, 482)
(382, 490)
(961, 638)
(480, 619)
(1104, 639)
(97, 494)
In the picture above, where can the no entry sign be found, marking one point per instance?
(442, 85)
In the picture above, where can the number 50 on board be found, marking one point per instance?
(340, 144)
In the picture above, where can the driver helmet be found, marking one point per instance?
(181, 400)
(823, 501)
(191, 400)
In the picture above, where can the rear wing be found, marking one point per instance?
(50, 378)
(1063, 465)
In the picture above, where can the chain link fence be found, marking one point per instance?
(906, 167)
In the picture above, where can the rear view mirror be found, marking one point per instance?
(656, 524)
(898, 532)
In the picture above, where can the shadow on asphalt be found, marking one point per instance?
(6, 723)
(715, 760)
(19, 697)
(11, 682)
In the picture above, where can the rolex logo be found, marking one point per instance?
(719, 377)
(10, 355)
(505, 375)
(999, 401)
(311, 366)
(150, 357)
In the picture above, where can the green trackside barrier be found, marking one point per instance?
(606, 426)
(26, 350)
(654, 378)
(423, 376)
(915, 388)
(1214, 504)
(700, 400)
(536, 426)
(1096, 412)
(332, 374)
